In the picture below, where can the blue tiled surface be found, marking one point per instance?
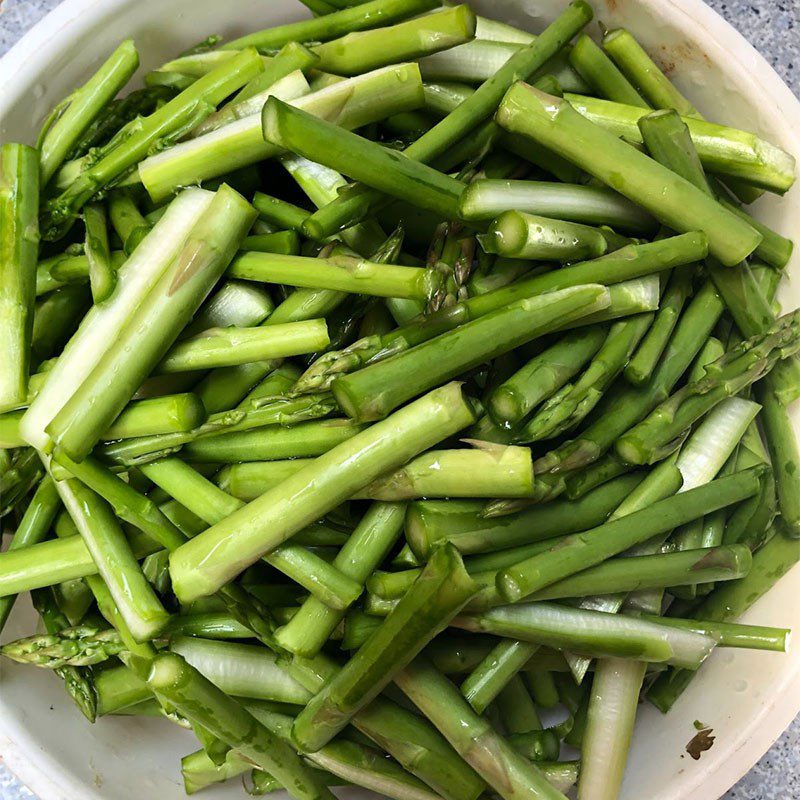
(773, 27)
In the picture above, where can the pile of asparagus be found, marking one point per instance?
(375, 384)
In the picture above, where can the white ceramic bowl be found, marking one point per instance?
(747, 697)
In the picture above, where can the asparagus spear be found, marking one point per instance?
(351, 104)
(83, 108)
(308, 494)
(128, 148)
(366, 548)
(150, 330)
(225, 347)
(174, 681)
(55, 319)
(338, 272)
(556, 124)
(102, 275)
(278, 212)
(506, 771)
(291, 57)
(285, 243)
(571, 404)
(627, 263)
(359, 52)
(127, 221)
(597, 69)
(361, 17)
(519, 235)
(429, 523)
(462, 120)
(544, 374)
(172, 413)
(32, 528)
(19, 200)
(440, 592)
(591, 205)
(373, 392)
(98, 329)
(737, 369)
(584, 550)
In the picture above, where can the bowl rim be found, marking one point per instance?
(32, 765)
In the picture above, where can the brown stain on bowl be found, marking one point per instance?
(700, 742)
(668, 56)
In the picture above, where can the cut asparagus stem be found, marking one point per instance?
(285, 243)
(590, 205)
(359, 52)
(519, 235)
(507, 772)
(731, 634)
(368, 545)
(659, 90)
(102, 275)
(775, 250)
(631, 405)
(313, 491)
(84, 106)
(225, 347)
(151, 329)
(55, 319)
(489, 678)
(431, 523)
(125, 151)
(291, 57)
(350, 104)
(645, 360)
(278, 212)
(127, 221)
(630, 262)
(462, 120)
(138, 604)
(658, 571)
(173, 680)
(33, 528)
(293, 129)
(19, 204)
(556, 124)
(737, 369)
(592, 633)
(600, 72)
(436, 597)
(172, 413)
(375, 391)
(212, 505)
(100, 326)
(544, 375)
(53, 273)
(584, 550)
(729, 602)
(609, 727)
(338, 23)
(241, 670)
(339, 273)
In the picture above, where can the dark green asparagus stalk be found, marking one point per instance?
(285, 243)
(648, 354)
(573, 402)
(679, 205)
(55, 319)
(83, 108)
(436, 597)
(544, 375)
(737, 369)
(174, 681)
(511, 775)
(461, 120)
(19, 246)
(581, 551)
(625, 264)
(278, 212)
(32, 528)
(373, 392)
(130, 146)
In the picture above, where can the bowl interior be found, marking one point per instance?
(747, 697)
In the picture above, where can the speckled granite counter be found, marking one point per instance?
(773, 27)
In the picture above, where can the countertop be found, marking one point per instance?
(773, 27)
